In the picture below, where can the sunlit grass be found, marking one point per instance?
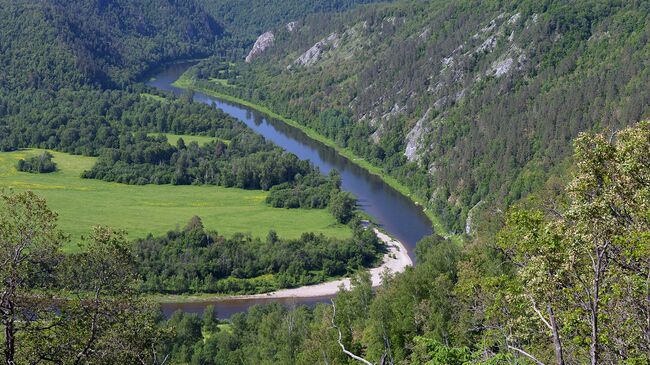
(140, 210)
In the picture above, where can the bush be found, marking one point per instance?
(40, 164)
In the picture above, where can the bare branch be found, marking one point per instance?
(526, 354)
(358, 358)
(541, 316)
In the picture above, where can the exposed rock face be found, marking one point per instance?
(488, 45)
(470, 218)
(413, 138)
(291, 26)
(312, 55)
(514, 19)
(502, 67)
(263, 42)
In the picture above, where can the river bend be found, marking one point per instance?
(396, 214)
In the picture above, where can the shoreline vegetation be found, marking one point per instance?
(187, 83)
(395, 260)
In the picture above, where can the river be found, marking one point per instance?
(395, 213)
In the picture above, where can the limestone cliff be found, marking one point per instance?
(262, 43)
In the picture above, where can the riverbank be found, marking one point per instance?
(395, 260)
(185, 82)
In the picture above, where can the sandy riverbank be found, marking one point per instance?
(395, 260)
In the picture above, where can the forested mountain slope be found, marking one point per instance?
(472, 104)
(249, 18)
(61, 60)
(55, 43)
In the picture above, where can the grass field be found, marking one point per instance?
(222, 82)
(201, 140)
(154, 97)
(156, 209)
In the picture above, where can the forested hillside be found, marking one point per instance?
(471, 104)
(250, 18)
(50, 44)
(69, 83)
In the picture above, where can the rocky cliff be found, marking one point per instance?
(262, 43)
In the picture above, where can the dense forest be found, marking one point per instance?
(565, 281)
(88, 121)
(470, 104)
(246, 162)
(248, 19)
(100, 42)
(197, 261)
(72, 110)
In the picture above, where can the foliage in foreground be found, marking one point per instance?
(566, 282)
(76, 309)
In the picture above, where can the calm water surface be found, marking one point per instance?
(397, 214)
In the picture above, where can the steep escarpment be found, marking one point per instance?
(463, 101)
(262, 43)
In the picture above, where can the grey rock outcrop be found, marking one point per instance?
(291, 26)
(413, 138)
(312, 55)
(262, 43)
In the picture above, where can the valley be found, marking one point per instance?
(216, 182)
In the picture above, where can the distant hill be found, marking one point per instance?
(472, 104)
(54, 43)
(249, 18)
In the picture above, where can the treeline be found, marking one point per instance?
(87, 121)
(117, 126)
(246, 162)
(40, 164)
(564, 282)
(505, 89)
(194, 260)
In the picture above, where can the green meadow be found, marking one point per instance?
(140, 210)
(201, 140)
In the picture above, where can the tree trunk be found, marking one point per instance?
(10, 341)
(345, 351)
(598, 271)
(593, 348)
(559, 357)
